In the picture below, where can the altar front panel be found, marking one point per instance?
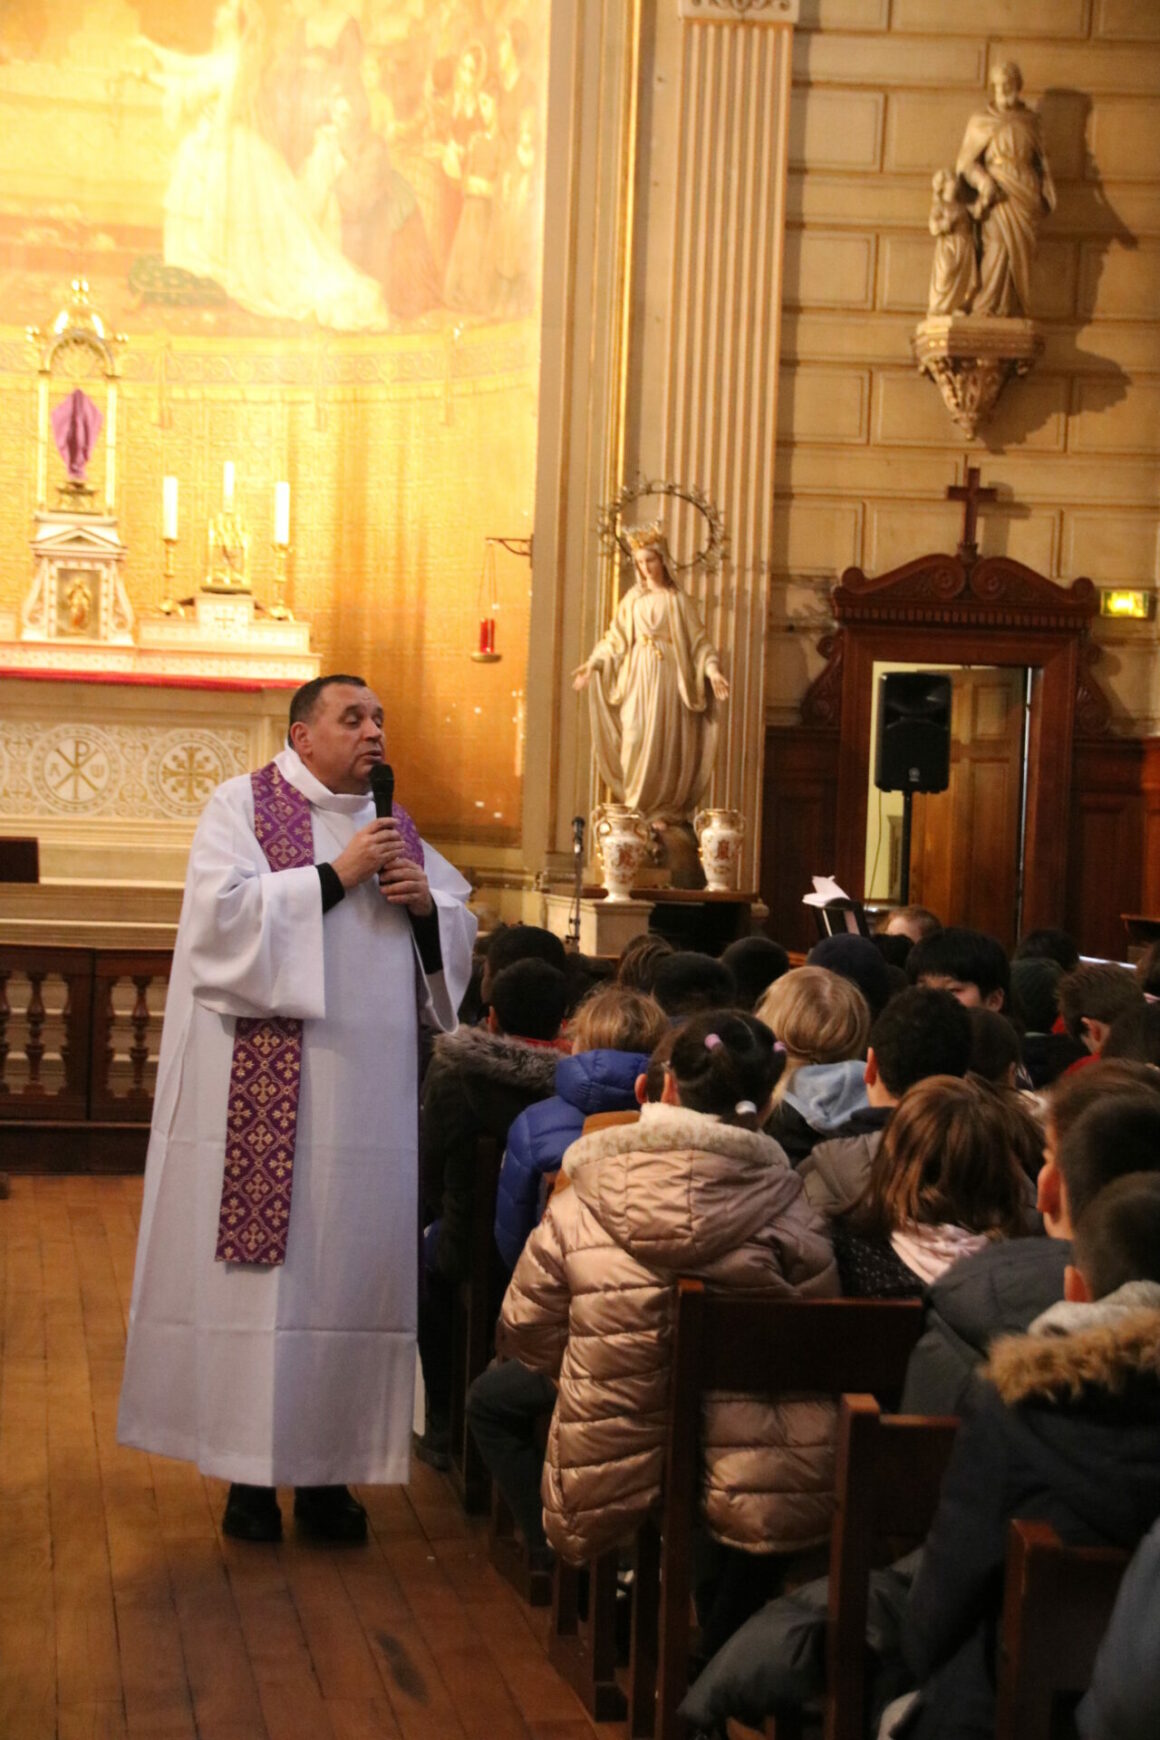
(111, 775)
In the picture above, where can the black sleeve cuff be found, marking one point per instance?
(426, 934)
(332, 888)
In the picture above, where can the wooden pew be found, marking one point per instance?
(753, 1347)
(887, 1482)
(1057, 1602)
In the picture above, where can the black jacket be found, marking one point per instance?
(1001, 1290)
(477, 1083)
(1124, 1700)
(1070, 1434)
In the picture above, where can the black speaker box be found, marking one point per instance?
(913, 749)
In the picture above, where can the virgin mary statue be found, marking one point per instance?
(654, 684)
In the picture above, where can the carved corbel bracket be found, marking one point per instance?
(971, 358)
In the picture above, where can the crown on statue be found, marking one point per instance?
(650, 536)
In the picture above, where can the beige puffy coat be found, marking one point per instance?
(591, 1303)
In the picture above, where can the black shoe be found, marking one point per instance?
(434, 1447)
(329, 1512)
(252, 1514)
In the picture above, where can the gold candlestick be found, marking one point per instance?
(169, 604)
(280, 611)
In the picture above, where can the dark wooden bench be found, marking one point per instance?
(480, 1296)
(746, 1346)
(1057, 1602)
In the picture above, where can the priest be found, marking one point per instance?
(272, 1326)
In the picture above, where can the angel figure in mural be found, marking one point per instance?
(233, 210)
(654, 683)
(1002, 159)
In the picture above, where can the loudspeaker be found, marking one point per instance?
(913, 751)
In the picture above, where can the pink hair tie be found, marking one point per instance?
(712, 1041)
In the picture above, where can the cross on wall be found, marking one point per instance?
(972, 496)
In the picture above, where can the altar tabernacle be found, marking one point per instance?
(272, 1329)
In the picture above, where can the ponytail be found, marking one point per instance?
(725, 1064)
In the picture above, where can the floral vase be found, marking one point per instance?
(623, 839)
(720, 834)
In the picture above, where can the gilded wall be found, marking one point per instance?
(882, 90)
(318, 222)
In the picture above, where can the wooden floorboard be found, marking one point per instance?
(126, 1615)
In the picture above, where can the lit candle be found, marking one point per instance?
(169, 509)
(282, 514)
(487, 634)
(228, 486)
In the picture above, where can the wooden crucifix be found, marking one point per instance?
(972, 497)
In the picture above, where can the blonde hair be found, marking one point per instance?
(616, 1018)
(817, 1016)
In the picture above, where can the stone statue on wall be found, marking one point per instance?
(954, 276)
(1003, 162)
(656, 682)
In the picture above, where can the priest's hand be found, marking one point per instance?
(367, 852)
(404, 883)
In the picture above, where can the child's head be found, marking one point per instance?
(519, 942)
(994, 1047)
(1035, 988)
(1115, 1135)
(948, 1155)
(528, 1000)
(650, 1087)
(724, 1064)
(687, 983)
(1049, 945)
(1069, 1099)
(639, 960)
(817, 1016)
(1135, 1035)
(973, 967)
(919, 1033)
(617, 1019)
(756, 962)
(1117, 1239)
(855, 958)
(915, 922)
(1092, 996)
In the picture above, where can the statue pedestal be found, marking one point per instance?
(971, 357)
(606, 926)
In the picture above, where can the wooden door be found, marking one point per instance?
(964, 856)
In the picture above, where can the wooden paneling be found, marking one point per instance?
(1105, 847)
(799, 826)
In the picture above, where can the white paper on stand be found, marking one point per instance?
(825, 890)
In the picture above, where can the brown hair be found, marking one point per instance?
(1071, 1095)
(925, 921)
(817, 1016)
(617, 1019)
(1115, 1135)
(1097, 991)
(948, 1155)
(1118, 1236)
(639, 959)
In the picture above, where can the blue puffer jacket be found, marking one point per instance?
(592, 1081)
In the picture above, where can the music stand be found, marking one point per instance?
(841, 918)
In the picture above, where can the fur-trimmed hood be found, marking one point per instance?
(679, 1187)
(513, 1063)
(1118, 1351)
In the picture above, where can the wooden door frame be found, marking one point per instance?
(942, 610)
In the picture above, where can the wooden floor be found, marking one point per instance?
(123, 1612)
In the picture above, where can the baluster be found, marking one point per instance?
(139, 1050)
(102, 1087)
(34, 1044)
(65, 1012)
(5, 1012)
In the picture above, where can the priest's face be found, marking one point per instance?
(343, 738)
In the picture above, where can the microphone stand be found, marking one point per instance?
(573, 939)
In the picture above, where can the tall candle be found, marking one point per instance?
(282, 514)
(169, 509)
(228, 486)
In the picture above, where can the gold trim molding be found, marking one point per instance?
(739, 11)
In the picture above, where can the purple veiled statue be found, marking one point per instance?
(76, 423)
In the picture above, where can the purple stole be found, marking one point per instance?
(266, 1071)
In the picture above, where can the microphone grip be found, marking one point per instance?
(383, 789)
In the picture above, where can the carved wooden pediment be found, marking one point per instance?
(945, 592)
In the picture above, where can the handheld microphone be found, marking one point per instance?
(578, 835)
(383, 788)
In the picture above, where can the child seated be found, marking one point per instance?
(1069, 1434)
(693, 1189)
(822, 1023)
(944, 1183)
(613, 1035)
(972, 966)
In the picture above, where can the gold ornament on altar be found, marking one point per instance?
(229, 542)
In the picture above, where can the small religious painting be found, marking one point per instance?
(78, 603)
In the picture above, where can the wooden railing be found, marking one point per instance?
(80, 1031)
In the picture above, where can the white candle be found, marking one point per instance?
(169, 509)
(228, 486)
(282, 514)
